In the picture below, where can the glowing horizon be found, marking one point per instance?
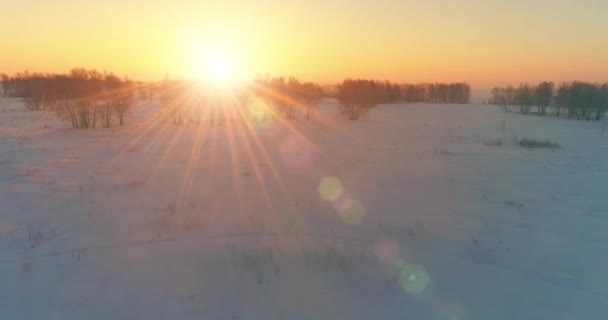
(485, 43)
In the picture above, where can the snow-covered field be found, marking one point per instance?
(416, 213)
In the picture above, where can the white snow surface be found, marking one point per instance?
(432, 220)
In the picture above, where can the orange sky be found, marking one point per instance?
(484, 42)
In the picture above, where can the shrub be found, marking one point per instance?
(81, 112)
(121, 105)
(535, 144)
(494, 143)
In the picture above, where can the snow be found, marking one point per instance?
(410, 214)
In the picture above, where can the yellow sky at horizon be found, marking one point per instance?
(482, 42)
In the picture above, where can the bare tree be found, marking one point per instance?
(122, 103)
(562, 98)
(603, 103)
(580, 100)
(498, 97)
(306, 95)
(358, 97)
(543, 94)
(524, 98)
(311, 95)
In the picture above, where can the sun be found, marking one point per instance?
(220, 68)
(216, 68)
(214, 57)
(212, 64)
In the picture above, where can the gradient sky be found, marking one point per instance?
(485, 42)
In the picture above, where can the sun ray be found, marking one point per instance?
(147, 126)
(253, 134)
(172, 143)
(258, 174)
(194, 160)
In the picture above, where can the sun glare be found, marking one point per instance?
(221, 69)
(212, 60)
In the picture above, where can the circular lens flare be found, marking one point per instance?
(330, 188)
(353, 212)
(414, 278)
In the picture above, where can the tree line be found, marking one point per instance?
(267, 98)
(387, 92)
(358, 97)
(459, 92)
(87, 98)
(287, 97)
(576, 100)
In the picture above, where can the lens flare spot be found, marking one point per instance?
(330, 188)
(257, 110)
(387, 251)
(353, 212)
(414, 279)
